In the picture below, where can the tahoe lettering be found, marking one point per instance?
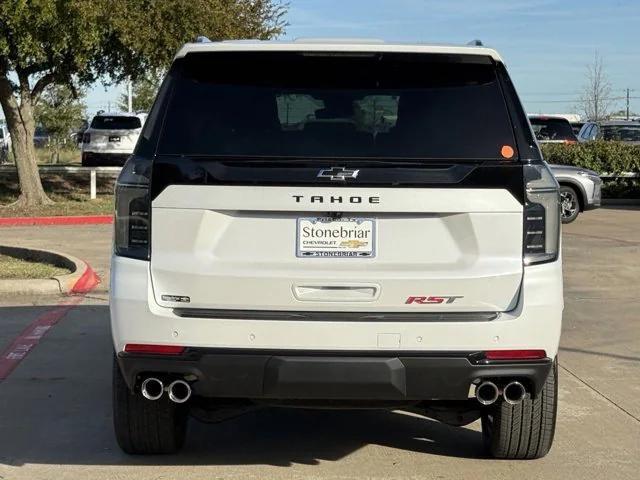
(336, 199)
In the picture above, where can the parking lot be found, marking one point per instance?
(55, 420)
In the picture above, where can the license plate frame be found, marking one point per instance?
(362, 245)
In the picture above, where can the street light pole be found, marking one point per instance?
(130, 95)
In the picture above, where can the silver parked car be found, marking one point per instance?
(580, 190)
(614, 130)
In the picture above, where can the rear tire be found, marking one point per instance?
(525, 430)
(146, 426)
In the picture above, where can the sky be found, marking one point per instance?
(546, 44)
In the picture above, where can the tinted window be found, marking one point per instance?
(104, 122)
(552, 129)
(586, 131)
(323, 105)
(576, 127)
(622, 133)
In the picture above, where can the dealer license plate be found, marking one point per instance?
(336, 237)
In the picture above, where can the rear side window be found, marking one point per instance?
(104, 122)
(552, 129)
(621, 133)
(308, 105)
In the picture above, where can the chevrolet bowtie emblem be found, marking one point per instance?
(338, 173)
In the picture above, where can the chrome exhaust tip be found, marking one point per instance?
(179, 391)
(514, 392)
(487, 393)
(152, 388)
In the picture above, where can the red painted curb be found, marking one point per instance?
(11, 356)
(87, 281)
(31, 336)
(72, 220)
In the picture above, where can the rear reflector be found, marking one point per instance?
(515, 354)
(154, 349)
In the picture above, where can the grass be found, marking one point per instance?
(15, 268)
(69, 191)
(63, 206)
(44, 156)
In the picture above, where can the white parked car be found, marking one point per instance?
(275, 245)
(5, 143)
(111, 138)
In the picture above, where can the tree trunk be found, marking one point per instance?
(21, 125)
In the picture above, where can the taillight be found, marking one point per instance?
(132, 215)
(86, 137)
(541, 215)
(515, 354)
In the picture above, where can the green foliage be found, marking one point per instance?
(49, 40)
(139, 36)
(64, 42)
(621, 188)
(60, 112)
(143, 94)
(63, 39)
(601, 156)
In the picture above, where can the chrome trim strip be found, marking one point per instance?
(335, 316)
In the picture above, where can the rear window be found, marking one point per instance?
(105, 122)
(621, 133)
(552, 129)
(333, 105)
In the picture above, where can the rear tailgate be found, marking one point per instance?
(436, 249)
(420, 148)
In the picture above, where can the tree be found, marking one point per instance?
(595, 98)
(60, 112)
(143, 94)
(69, 42)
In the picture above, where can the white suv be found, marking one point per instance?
(111, 138)
(337, 224)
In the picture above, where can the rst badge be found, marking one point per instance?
(433, 300)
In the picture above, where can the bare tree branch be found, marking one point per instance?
(595, 99)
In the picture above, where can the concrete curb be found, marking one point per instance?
(71, 220)
(81, 279)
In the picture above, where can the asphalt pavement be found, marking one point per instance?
(55, 415)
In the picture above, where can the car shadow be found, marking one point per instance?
(56, 409)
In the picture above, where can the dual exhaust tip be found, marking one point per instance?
(153, 388)
(179, 391)
(488, 392)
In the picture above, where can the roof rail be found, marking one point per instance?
(202, 39)
(475, 43)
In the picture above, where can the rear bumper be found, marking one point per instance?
(103, 159)
(361, 376)
(535, 323)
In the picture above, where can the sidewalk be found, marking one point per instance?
(91, 243)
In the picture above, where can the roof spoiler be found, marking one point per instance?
(475, 43)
